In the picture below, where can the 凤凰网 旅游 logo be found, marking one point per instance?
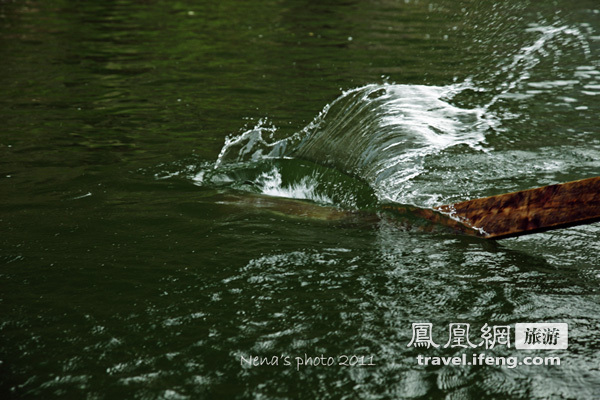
(526, 336)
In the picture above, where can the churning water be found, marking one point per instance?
(391, 135)
(422, 145)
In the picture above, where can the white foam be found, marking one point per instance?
(271, 184)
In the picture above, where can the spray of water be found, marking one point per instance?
(384, 134)
(271, 183)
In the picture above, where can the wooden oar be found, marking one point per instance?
(494, 217)
(520, 213)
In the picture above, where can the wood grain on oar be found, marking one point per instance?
(530, 211)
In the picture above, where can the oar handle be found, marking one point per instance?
(518, 213)
(532, 210)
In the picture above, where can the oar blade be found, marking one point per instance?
(530, 211)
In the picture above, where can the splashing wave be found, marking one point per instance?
(378, 133)
(387, 135)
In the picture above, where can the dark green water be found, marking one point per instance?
(140, 258)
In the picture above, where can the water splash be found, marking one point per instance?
(380, 133)
(383, 134)
(388, 134)
(271, 183)
(251, 145)
(550, 43)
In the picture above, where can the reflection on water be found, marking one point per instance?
(142, 258)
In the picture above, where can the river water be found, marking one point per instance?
(188, 185)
